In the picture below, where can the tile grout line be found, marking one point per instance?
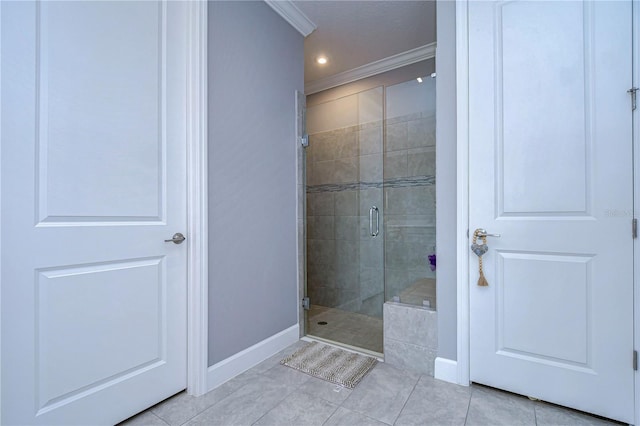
(407, 400)
(334, 411)
(159, 418)
(218, 402)
(295, 389)
(364, 415)
(466, 416)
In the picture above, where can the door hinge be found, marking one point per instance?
(306, 304)
(634, 228)
(635, 360)
(633, 91)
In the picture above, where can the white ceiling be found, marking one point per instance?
(356, 33)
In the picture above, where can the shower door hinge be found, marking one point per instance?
(633, 91)
(304, 140)
(634, 228)
(635, 360)
(306, 304)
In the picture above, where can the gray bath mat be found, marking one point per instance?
(331, 364)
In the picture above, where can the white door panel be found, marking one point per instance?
(97, 122)
(551, 171)
(93, 175)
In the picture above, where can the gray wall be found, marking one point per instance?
(255, 66)
(446, 178)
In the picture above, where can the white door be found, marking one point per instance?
(93, 182)
(550, 134)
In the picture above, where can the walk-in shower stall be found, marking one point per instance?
(370, 209)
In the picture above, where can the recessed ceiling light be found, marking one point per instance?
(419, 79)
(321, 60)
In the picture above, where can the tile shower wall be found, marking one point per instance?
(410, 337)
(353, 167)
(344, 264)
(410, 210)
(344, 173)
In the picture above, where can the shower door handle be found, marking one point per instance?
(377, 212)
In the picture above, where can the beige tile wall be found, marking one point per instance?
(409, 210)
(345, 265)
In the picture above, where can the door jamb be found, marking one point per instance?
(635, 5)
(197, 199)
(462, 183)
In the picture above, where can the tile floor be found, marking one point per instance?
(352, 328)
(359, 330)
(271, 394)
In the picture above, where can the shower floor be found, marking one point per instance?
(345, 327)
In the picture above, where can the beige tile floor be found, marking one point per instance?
(363, 331)
(271, 394)
(350, 328)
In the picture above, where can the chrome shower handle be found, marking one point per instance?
(371, 231)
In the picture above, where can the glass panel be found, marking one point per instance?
(409, 192)
(345, 278)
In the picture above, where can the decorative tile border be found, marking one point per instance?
(349, 129)
(380, 123)
(406, 182)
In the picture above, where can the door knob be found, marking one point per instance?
(177, 238)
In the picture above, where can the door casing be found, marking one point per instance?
(197, 205)
(635, 5)
(462, 190)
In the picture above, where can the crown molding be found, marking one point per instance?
(293, 15)
(383, 65)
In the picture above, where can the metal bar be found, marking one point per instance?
(371, 231)
(377, 220)
(371, 222)
(483, 233)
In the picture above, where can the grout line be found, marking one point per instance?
(157, 416)
(219, 401)
(466, 416)
(280, 401)
(407, 400)
(332, 413)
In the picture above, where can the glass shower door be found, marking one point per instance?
(409, 172)
(345, 249)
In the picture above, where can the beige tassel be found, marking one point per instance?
(482, 281)
(479, 251)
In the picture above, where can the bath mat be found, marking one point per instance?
(331, 364)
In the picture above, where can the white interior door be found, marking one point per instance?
(93, 182)
(550, 153)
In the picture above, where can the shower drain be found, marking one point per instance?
(322, 323)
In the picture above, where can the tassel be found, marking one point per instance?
(482, 281)
(479, 250)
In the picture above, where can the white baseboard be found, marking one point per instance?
(446, 369)
(229, 368)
